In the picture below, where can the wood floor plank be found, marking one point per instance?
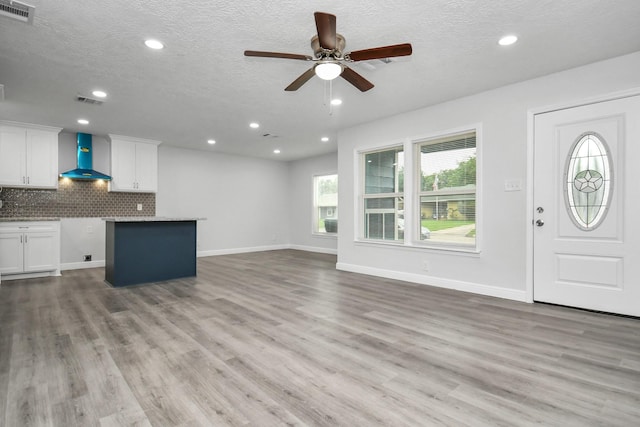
(283, 338)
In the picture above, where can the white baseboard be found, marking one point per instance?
(232, 251)
(8, 277)
(81, 265)
(314, 249)
(476, 288)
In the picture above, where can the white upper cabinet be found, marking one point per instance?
(28, 156)
(134, 164)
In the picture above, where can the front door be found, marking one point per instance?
(587, 206)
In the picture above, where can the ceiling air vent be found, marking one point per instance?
(16, 10)
(87, 100)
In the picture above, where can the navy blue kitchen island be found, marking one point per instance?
(149, 249)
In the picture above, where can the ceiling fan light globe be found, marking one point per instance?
(328, 70)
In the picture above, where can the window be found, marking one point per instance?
(383, 199)
(325, 204)
(447, 189)
(588, 181)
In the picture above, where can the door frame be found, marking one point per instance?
(531, 113)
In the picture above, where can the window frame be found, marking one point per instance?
(418, 193)
(315, 216)
(363, 196)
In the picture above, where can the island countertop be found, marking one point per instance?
(150, 219)
(29, 219)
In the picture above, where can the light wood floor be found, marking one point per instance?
(282, 338)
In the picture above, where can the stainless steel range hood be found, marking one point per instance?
(85, 161)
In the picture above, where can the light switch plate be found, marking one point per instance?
(512, 185)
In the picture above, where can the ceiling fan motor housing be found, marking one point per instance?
(319, 52)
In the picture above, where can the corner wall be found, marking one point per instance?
(245, 200)
(301, 173)
(500, 267)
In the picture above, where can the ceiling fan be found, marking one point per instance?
(328, 47)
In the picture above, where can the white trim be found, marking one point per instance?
(30, 126)
(325, 235)
(529, 206)
(82, 265)
(475, 288)
(8, 277)
(199, 254)
(586, 101)
(531, 113)
(314, 249)
(232, 251)
(112, 136)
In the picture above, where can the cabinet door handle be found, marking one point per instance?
(25, 238)
(20, 239)
(27, 180)
(24, 180)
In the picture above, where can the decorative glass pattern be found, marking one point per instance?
(588, 181)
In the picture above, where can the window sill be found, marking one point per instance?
(457, 250)
(332, 236)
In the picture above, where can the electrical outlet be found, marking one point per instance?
(89, 229)
(87, 257)
(139, 207)
(425, 266)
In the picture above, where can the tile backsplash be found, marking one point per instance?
(74, 199)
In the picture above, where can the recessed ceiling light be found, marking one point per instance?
(153, 44)
(254, 125)
(83, 121)
(336, 101)
(211, 141)
(324, 139)
(508, 40)
(276, 151)
(99, 93)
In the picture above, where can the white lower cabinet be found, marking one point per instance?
(29, 249)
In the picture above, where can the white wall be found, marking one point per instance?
(499, 269)
(301, 174)
(245, 201)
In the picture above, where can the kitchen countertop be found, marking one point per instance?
(31, 219)
(149, 219)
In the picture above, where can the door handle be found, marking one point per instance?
(539, 223)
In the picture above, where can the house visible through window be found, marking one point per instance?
(383, 200)
(325, 188)
(447, 189)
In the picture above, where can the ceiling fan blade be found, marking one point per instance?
(326, 25)
(305, 77)
(381, 52)
(277, 55)
(356, 79)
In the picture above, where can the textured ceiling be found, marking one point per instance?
(201, 86)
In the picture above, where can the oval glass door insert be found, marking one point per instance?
(588, 181)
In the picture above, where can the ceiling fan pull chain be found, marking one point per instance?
(330, 97)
